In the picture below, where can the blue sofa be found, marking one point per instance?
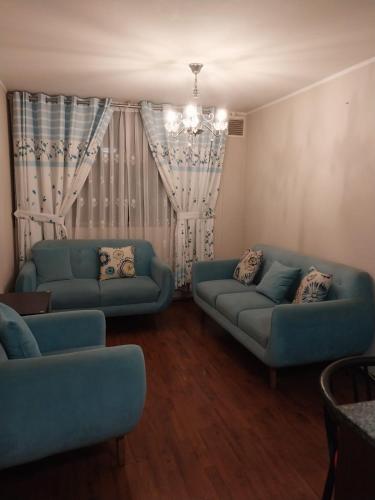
(76, 393)
(289, 334)
(149, 292)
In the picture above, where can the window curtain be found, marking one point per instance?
(123, 196)
(191, 172)
(55, 142)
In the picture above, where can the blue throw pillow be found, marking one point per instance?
(15, 336)
(52, 264)
(277, 281)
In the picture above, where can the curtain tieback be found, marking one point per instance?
(39, 216)
(208, 214)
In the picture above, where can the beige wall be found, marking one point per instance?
(229, 236)
(310, 174)
(6, 223)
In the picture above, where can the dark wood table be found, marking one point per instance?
(27, 303)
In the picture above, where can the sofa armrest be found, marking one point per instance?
(67, 330)
(305, 333)
(162, 274)
(26, 279)
(56, 403)
(213, 270)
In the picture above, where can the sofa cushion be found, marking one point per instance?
(116, 262)
(73, 294)
(15, 335)
(314, 287)
(231, 304)
(277, 281)
(248, 266)
(257, 324)
(52, 264)
(128, 291)
(210, 290)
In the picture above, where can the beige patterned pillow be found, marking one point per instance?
(116, 263)
(248, 266)
(314, 287)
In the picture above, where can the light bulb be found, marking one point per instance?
(171, 121)
(171, 116)
(221, 120)
(191, 118)
(190, 111)
(221, 115)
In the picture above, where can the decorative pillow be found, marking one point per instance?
(277, 281)
(52, 264)
(15, 335)
(248, 266)
(314, 287)
(116, 262)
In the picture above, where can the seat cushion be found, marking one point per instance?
(231, 304)
(73, 294)
(210, 290)
(15, 335)
(118, 292)
(52, 264)
(257, 324)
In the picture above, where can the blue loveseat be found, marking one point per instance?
(150, 291)
(289, 334)
(75, 392)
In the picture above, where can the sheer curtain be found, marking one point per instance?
(123, 196)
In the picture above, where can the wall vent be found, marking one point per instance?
(236, 127)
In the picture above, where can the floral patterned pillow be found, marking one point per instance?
(314, 287)
(248, 266)
(116, 262)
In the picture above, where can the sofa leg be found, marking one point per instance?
(273, 378)
(120, 451)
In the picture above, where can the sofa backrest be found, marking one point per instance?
(84, 257)
(347, 283)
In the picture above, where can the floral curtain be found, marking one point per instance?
(191, 172)
(55, 142)
(123, 196)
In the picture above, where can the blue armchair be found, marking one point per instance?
(74, 393)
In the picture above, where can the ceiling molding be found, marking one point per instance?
(315, 84)
(2, 85)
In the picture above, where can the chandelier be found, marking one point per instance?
(193, 120)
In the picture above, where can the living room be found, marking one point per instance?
(187, 234)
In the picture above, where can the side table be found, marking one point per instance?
(28, 303)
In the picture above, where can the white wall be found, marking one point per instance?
(310, 173)
(229, 223)
(6, 222)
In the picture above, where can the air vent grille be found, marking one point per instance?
(236, 127)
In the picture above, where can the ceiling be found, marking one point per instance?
(254, 51)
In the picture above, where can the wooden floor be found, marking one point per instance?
(211, 429)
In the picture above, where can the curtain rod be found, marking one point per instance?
(114, 104)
